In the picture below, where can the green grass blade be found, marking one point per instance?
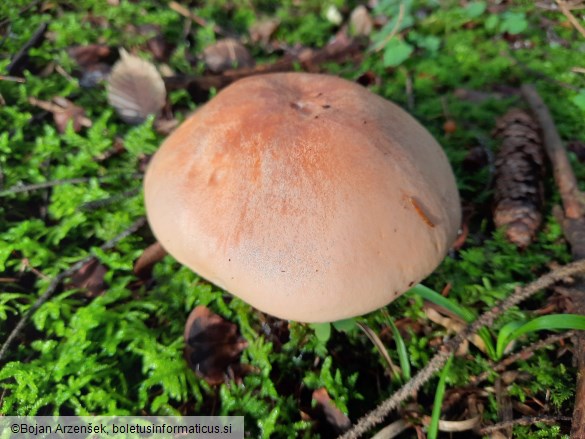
(504, 337)
(513, 330)
(401, 349)
(432, 296)
(439, 395)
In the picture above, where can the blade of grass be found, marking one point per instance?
(400, 348)
(393, 371)
(439, 395)
(513, 330)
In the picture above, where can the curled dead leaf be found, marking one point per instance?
(135, 89)
(227, 54)
(156, 44)
(360, 22)
(455, 426)
(212, 344)
(91, 278)
(90, 55)
(150, 256)
(262, 31)
(335, 417)
(392, 430)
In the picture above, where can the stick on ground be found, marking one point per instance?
(574, 230)
(377, 415)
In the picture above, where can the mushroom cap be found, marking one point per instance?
(305, 195)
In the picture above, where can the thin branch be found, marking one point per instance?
(574, 230)
(17, 64)
(377, 415)
(12, 79)
(20, 188)
(563, 172)
(567, 13)
(59, 278)
(523, 421)
(98, 204)
(185, 12)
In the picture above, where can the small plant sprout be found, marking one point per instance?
(305, 195)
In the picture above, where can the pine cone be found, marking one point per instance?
(518, 191)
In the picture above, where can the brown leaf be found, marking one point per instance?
(90, 55)
(227, 54)
(262, 31)
(91, 278)
(151, 255)
(135, 89)
(63, 111)
(360, 22)
(335, 417)
(157, 45)
(518, 191)
(211, 344)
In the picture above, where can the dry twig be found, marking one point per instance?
(523, 421)
(59, 278)
(563, 173)
(567, 13)
(16, 66)
(20, 188)
(377, 415)
(574, 230)
(185, 12)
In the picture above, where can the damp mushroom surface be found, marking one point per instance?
(305, 195)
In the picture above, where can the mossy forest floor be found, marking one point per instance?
(110, 342)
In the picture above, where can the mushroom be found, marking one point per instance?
(305, 195)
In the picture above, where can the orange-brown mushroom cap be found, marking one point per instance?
(305, 195)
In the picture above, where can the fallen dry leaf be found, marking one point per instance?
(262, 31)
(151, 255)
(335, 417)
(360, 22)
(212, 344)
(227, 54)
(455, 426)
(91, 278)
(63, 111)
(391, 430)
(156, 44)
(90, 55)
(135, 89)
